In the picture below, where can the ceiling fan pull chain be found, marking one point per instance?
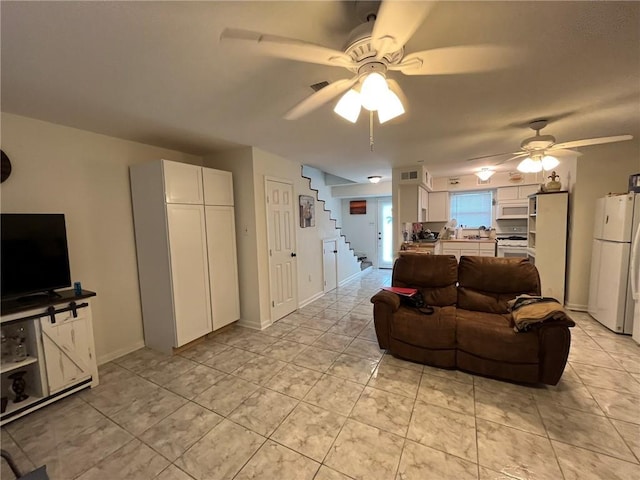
(371, 129)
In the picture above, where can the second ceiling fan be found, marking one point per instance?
(373, 49)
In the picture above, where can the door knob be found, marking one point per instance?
(293, 254)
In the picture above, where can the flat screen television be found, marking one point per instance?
(34, 257)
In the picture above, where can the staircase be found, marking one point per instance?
(363, 263)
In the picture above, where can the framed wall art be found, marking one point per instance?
(358, 207)
(307, 211)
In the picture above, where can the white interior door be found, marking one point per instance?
(330, 264)
(282, 254)
(385, 233)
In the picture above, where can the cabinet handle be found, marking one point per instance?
(293, 254)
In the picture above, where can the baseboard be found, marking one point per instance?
(102, 359)
(577, 307)
(312, 298)
(256, 325)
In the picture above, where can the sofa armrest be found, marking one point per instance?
(385, 304)
(389, 298)
(554, 339)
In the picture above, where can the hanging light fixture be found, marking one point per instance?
(538, 162)
(375, 178)
(374, 96)
(485, 174)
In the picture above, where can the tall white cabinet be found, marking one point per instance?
(547, 238)
(186, 245)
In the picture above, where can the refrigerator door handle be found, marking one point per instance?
(635, 264)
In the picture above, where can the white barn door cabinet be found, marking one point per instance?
(186, 247)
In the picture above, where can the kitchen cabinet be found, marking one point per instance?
(186, 249)
(515, 194)
(438, 210)
(414, 202)
(547, 238)
(59, 350)
(461, 248)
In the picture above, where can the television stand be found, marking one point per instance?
(60, 360)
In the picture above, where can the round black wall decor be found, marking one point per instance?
(5, 166)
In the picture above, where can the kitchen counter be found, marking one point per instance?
(428, 248)
(467, 240)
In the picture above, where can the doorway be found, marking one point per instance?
(330, 264)
(282, 254)
(385, 233)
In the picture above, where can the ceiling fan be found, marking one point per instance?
(373, 49)
(540, 150)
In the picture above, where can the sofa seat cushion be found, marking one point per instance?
(435, 331)
(491, 336)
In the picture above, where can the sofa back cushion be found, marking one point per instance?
(486, 284)
(434, 275)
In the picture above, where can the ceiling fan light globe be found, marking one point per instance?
(529, 165)
(549, 162)
(374, 91)
(348, 107)
(485, 174)
(390, 107)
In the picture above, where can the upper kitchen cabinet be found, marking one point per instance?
(413, 203)
(515, 194)
(182, 183)
(438, 207)
(218, 187)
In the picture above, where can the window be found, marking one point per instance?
(472, 209)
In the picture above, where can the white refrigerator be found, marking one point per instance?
(611, 285)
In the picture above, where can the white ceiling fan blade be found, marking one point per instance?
(520, 155)
(289, 48)
(590, 141)
(462, 59)
(396, 22)
(320, 97)
(493, 155)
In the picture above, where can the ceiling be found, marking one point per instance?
(156, 73)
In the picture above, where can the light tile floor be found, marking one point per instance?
(312, 397)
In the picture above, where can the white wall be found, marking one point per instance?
(362, 190)
(601, 169)
(324, 192)
(84, 175)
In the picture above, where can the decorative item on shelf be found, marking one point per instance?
(77, 288)
(554, 185)
(19, 348)
(516, 177)
(18, 386)
(307, 211)
(5, 166)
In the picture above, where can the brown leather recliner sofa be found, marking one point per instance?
(471, 328)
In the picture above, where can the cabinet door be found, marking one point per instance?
(218, 187)
(506, 194)
(525, 190)
(423, 204)
(182, 183)
(223, 265)
(67, 350)
(189, 272)
(439, 207)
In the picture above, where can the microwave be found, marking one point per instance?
(508, 211)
